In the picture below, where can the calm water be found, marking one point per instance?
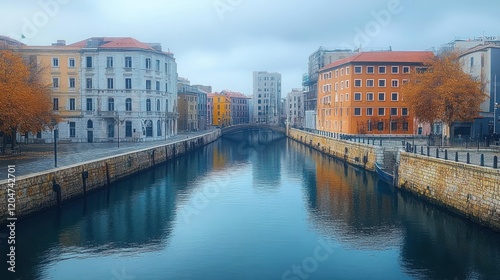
(251, 207)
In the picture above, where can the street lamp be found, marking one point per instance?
(56, 134)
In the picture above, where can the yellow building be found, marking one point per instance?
(60, 69)
(221, 109)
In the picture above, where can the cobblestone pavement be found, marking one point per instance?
(34, 158)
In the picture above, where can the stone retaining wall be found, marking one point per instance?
(471, 191)
(358, 154)
(35, 192)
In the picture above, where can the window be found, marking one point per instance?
(369, 111)
(358, 69)
(149, 128)
(148, 105)
(148, 84)
(381, 111)
(336, 86)
(394, 111)
(336, 73)
(381, 69)
(128, 83)
(357, 83)
(380, 126)
(71, 63)
(55, 62)
(166, 87)
(369, 96)
(128, 128)
(55, 82)
(158, 106)
(128, 62)
(394, 96)
(394, 126)
(55, 104)
(381, 96)
(357, 96)
(381, 83)
(158, 128)
(404, 112)
(72, 83)
(370, 125)
(342, 72)
(72, 129)
(72, 104)
(89, 104)
(342, 85)
(405, 126)
(89, 83)
(157, 65)
(471, 62)
(370, 83)
(110, 83)
(157, 85)
(347, 97)
(357, 111)
(111, 104)
(370, 69)
(395, 83)
(89, 62)
(347, 70)
(406, 69)
(166, 68)
(347, 84)
(148, 63)
(128, 104)
(395, 69)
(109, 62)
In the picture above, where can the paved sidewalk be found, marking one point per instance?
(40, 157)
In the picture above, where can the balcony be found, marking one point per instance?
(172, 115)
(108, 114)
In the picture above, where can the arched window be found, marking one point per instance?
(128, 104)
(111, 104)
(158, 127)
(149, 128)
(166, 105)
(148, 105)
(90, 124)
(158, 105)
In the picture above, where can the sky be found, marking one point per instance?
(221, 42)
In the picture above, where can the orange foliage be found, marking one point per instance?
(444, 92)
(25, 104)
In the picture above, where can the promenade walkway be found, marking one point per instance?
(40, 157)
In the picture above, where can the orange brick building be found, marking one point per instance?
(362, 94)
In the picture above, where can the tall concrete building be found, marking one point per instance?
(266, 97)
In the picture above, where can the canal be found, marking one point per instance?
(251, 206)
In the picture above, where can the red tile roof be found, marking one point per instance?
(386, 56)
(115, 43)
(233, 94)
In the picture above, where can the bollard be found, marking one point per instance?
(422, 150)
(437, 152)
(446, 154)
(468, 158)
(482, 159)
(428, 151)
(381, 141)
(85, 176)
(495, 162)
(456, 156)
(57, 189)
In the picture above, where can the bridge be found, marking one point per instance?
(252, 126)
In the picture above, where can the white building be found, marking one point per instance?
(128, 91)
(294, 108)
(266, 97)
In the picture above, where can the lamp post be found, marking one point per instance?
(56, 134)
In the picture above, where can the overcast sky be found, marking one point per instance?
(221, 42)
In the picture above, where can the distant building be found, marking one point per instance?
(266, 97)
(221, 109)
(294, 107)
(110, 89)
(361, 94)
(240, 111)
(187, 97)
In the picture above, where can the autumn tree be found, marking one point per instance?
(442, 91)
(25, 100)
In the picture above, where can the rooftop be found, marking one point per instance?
(385, 56)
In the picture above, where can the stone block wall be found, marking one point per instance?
(358, 154)
(471, 191)
(35, 192)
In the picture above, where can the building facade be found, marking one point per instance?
(266, 97)
(110, 89)
(240, 112)
(294, 108)
(361, 94)
(188, 111)
(221, 109)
